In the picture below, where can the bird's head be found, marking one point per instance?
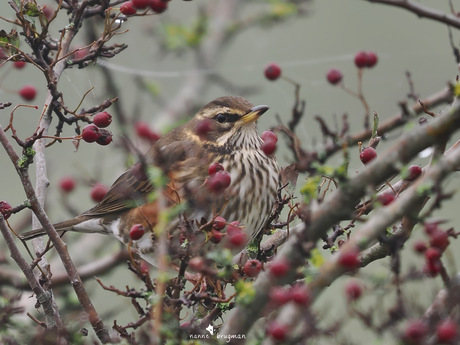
(227, 120)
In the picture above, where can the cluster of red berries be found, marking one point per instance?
(96, 132)
(130, 7)
(365, 59)
(5, 209)
(218, 179)
(233, 231)
(416, 331)
(298, 294)
(438, 242)
(362, 60)
(269, 142)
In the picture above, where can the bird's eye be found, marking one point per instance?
(221, 118)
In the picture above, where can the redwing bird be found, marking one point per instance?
(223, 131)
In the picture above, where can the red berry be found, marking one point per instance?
(277, 331)
(415, 331)
(143, 131)
(413, 173)
(237, 239)
(197, 264)
(272, 71)
(5, 209)
(432, 268)
(361, 59)
(386, 198)
(279, 295)
(366, 59)
(268, 147)
(80, 53)
(279, 267)
(367, 155)
(19, 64)
(252, 268)
(269, 135)
(219, 223)
(334, 76)
(420, 247)
(349, 259)
(300, 294)
(102, 119)
(439, 239)
(353, 290)
(67, 184)
(128, 8)
(215, 167)
(431, 228)
(202, 128)
(432, 254)
(185, 325)
(158, 6)
(371, 59)
(28, 92)
(140, 3)
(446, 331)
(48, 12)
(234, 227)
(98, 192)
(218, 182)
(216, 236)
(144, 266)
(105, 137)
(90, 133)
(136, 232)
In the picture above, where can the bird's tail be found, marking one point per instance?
(61, 227)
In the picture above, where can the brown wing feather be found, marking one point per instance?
(127, 192)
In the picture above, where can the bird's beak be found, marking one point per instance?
(254, 114)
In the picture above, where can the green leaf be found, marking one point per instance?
(245, 291)
(310, 188)
(11, 38)
(31, 9)
(153, 88)
(317, 260)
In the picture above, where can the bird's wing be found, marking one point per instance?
(178, 161)
(130, 190)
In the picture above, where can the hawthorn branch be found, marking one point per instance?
(339, 206)
(408, 203)
(60, 246)
(423, 11)
(45, 298)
